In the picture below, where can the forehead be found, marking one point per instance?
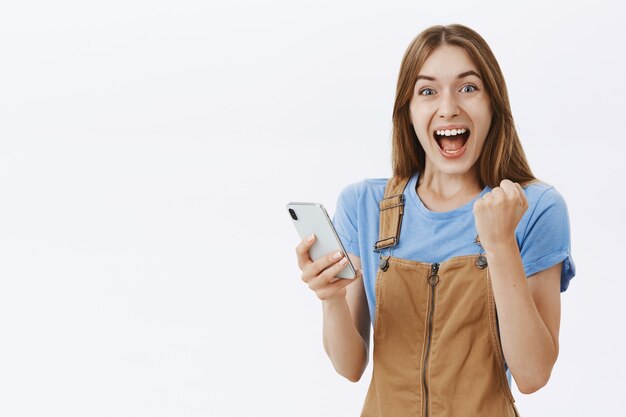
(447, 62)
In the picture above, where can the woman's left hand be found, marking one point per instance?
(498, 213)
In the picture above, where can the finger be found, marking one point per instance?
(497, 191)
(321, 264)
(329, 273)
(511, 190)
(323, 278)
(504, 183)
(524, 200)
(514, 191)
(336, 286)
(482, 202)
(302, 251)
(341, 284)
(477, 206)
(332, 289)
(357, 275)
(497, 194)
(315, 268)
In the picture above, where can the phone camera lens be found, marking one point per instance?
(293, 214)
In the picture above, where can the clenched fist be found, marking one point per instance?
(498, 213)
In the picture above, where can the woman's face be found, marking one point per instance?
(450, 111)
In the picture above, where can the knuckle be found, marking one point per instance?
(331, 257)
(336, 269)
(308, 272)
(339, 266)
(313, 284)
(320, 264)
(328, 274)
(323, 274)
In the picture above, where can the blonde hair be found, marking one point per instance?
(502, 156)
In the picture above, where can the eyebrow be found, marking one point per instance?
(461, 75)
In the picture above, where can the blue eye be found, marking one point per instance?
(426, 92)
(468, 88)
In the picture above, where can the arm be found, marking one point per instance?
(528, 308)
(347, 329)
(529, 312)
(346, 321)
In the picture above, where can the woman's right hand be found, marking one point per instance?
(320, 275)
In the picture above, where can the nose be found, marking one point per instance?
(448, 106)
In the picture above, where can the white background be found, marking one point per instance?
(147, 150)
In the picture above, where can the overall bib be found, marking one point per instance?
(437, 350)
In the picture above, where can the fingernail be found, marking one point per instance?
(343, 261)
(310, 238)
(337, 255)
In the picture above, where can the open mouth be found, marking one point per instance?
(452, 141)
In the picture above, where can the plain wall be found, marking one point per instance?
(147, 150)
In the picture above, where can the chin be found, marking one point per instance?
(455, 166)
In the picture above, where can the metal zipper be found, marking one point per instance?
(433, 280)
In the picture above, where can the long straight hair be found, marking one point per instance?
(502, 156)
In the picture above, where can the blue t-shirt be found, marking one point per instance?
(543, 233)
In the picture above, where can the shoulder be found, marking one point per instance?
(366, 189)
(541, 196)
(357, 209)
(546, 209)
(359, 201)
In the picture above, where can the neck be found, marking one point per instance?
(442, 192)
(449, 185)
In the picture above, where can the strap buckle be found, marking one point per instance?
(390, 242)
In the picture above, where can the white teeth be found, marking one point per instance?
(453, 132)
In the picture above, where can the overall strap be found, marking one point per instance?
(391, 211)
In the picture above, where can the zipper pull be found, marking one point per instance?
(433, 278)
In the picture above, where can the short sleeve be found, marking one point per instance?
(345, 218)
(546, 239)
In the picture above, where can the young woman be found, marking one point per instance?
(463, 251)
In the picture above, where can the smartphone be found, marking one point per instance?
(312, 218)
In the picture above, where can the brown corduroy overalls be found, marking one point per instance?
(437, 350)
